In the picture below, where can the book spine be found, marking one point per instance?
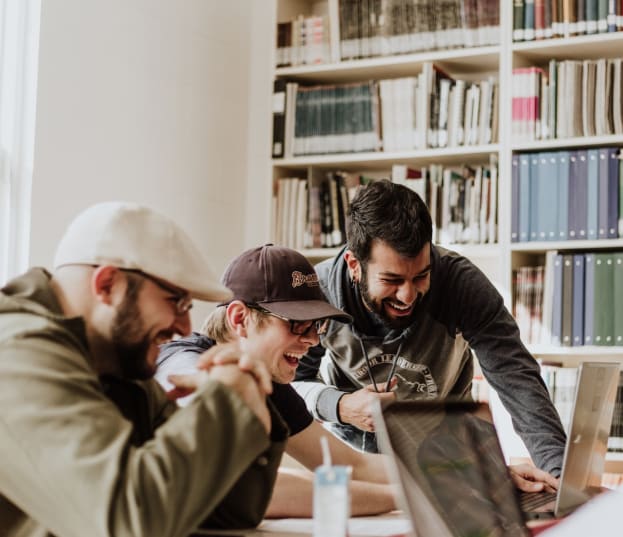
(567, 300)
(577, 333)
(589, 299)
(279, 118)
(557, 301)
(518, 20)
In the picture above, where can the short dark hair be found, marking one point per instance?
(389, 212)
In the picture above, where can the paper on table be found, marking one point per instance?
(600, 516)
(371, 526)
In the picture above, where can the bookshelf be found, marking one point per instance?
(498, 60)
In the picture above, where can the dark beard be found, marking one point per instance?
(377, 307)
(127, 328)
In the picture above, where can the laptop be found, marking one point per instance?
(587, 442)
(446, 459)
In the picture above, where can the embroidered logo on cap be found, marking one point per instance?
(298, 279)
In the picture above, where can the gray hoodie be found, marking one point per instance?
(433, 356)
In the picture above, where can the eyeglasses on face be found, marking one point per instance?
(182, 301)
(298, 328)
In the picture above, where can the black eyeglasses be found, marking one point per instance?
(182, 301)
(298, 328)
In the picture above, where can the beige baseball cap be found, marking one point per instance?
(131, 236)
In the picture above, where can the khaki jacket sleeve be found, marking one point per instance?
(246, 503)
(69, 463)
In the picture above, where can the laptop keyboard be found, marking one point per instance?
(531, 500)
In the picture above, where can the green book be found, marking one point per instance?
(618, 298)
(604, 298)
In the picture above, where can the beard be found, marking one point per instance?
(130, 346)
(376, 305)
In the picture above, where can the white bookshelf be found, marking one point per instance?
(496, 260)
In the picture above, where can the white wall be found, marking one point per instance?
(144, 100)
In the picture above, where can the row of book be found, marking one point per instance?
(377, 28)
(429, 110)
(561, 383)
(541, 99)
(312, 214)
(573, 300)
(567, 195)
(460, 113)
(544, 19)
(369, 28)
(462, 200)
(303, 41)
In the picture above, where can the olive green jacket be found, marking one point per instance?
(73, 465)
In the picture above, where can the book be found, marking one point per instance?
(577, 329)
(567, 300)
(592, 194)
(518, 20)
(613, 193)
(589, 299)
(524, 197)
(617, 292)
(535, 224)
(279, 118)
(548, 298)
(557, 301)
(548, 191)
(581, 194)
(604, 299)
(615, 440)
(563, 194)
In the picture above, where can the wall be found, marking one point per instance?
(144, 100)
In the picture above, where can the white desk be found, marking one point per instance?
(393, 524)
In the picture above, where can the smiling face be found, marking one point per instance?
(146, 318)
(392, 285)
(270, 338)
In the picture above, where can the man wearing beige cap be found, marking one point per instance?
(279, 311)
(89, 442)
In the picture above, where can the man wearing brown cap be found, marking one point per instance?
(277, 312)
(90, 444)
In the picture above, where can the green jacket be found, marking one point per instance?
(72, 464)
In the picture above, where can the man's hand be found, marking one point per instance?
(244, 383)
(232, 353)
(531, 479)
(356, 408)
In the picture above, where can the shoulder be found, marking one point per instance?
(42, 340)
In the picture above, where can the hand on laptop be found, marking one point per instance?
(356, 408)
(530, 479)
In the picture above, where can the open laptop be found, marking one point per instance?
(587, 441)
(446, 459)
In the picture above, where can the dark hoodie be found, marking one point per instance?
(432, 357)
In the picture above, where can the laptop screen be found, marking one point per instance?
(451, 469)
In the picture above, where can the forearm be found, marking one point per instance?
(294, 493)
(371, 468)
(321, 400)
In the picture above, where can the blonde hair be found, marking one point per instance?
(216, 326)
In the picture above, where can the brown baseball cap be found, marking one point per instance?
(282, 281)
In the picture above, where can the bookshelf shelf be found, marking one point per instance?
(558, 143)
(586, 46)
(381, 160)
(537, 247)
(455, 61)
(577, 353)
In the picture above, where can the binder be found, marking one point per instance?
(578, 301)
